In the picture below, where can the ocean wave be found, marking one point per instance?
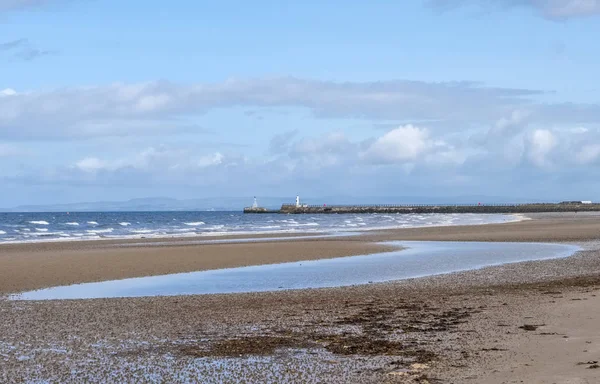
(142, 231)
(97, 231)
(186, 233)
(2, 232)
(162, 225)
(305, 225)
(48, 234)
(39, 222)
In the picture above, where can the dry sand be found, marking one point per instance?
(534, 322)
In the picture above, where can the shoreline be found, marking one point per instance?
(532, 321)
(397, 250)
(241, 235)
(25, 267)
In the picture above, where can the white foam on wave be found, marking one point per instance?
(39, 222)
(124, 224)
(186, 234)
(97, 231)
(92, 223)
(73, 224)
(195, 223)
(142, 231)
(304, 225)
(45, 233)
(42, 229)
(270, 227)
(2, 232)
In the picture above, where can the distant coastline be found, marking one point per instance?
(567, 206)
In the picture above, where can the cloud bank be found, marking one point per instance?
(454, 137)
(148, 108)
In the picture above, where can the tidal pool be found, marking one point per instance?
(417, 259)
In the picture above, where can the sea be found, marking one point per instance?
(70, 226)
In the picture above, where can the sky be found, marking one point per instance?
(113, 100)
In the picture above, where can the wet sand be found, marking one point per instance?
(38, 265)
(28, 267)
(533, 322)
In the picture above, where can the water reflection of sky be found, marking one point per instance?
(417, 260)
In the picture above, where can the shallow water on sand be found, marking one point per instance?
(418, 259)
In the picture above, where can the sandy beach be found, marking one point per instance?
(532, 322)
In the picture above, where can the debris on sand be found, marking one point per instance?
(531, 327)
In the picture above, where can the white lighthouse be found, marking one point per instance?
(297, 201)
(255, 204)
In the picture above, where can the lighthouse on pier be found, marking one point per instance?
(297, 201)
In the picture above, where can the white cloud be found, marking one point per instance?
(210, 160)
(91, 164)
(588, 154)
(154, 160)
(335, 142)
(541, 144)
(136, 109)
(402, 144)
(508, 125)
(407, 158)
(327, 150)
(7, 92)
(281, 142)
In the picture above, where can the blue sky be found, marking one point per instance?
(111, 100)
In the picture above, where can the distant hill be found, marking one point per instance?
(238, 203)
(149, 204)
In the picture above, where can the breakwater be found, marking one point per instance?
(430, 208)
